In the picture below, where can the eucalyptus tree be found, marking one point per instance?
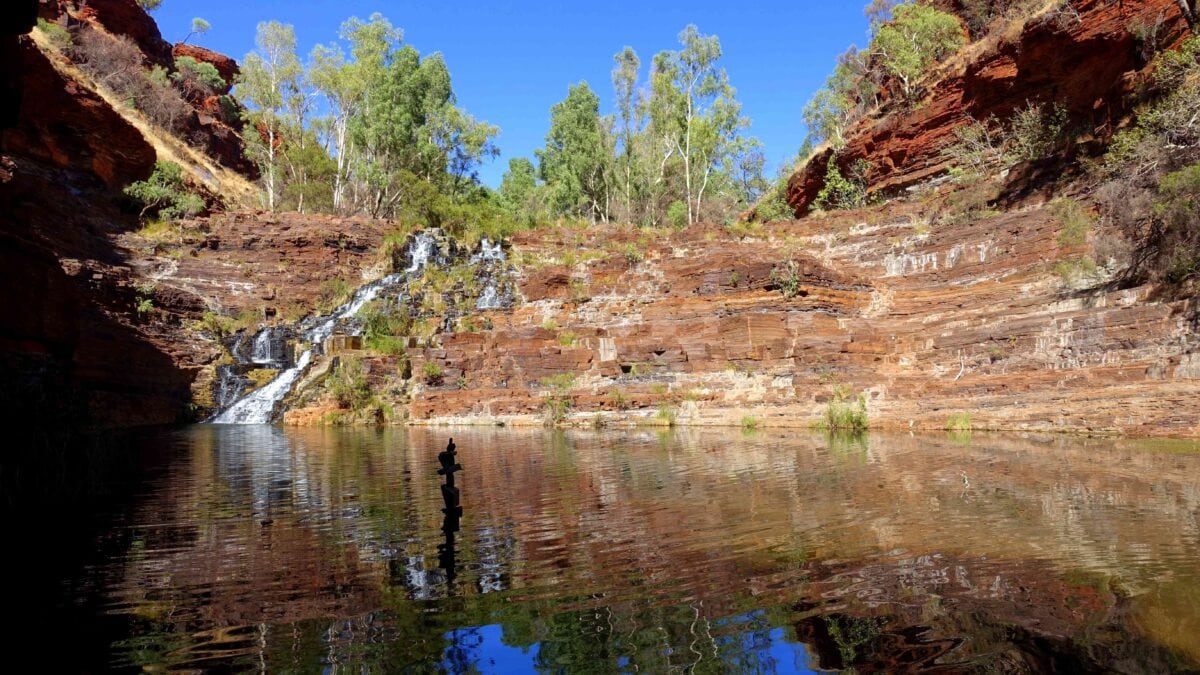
(629, 123)
(574, 163)
(269, 78)
(696, 112)
(916, 37)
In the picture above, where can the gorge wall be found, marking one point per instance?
(925, 316)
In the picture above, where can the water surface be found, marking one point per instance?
(283, 550)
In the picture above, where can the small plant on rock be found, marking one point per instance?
(165, 193)
(786, 276)
(433, 372)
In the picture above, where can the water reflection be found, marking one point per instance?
(278, 549)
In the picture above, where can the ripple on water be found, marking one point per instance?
(282, 548)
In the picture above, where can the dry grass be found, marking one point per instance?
(232, 187)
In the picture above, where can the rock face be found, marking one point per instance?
(119, 17)
(969, 318)
(227, 67)
(1089, 65)
(85, 341)
(64, 125)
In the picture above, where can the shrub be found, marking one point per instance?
(218, 325)
(1177, 223)
(677, 214)
(774, 208)
(1036, 131)
(786, 276)
(567, 339)
(618, 400)
(332, 293)
(840, 192)
(384, 328)
(633, 254)
(116, 63)
(165, 193)
(58, 36)
(843, 414)
(978, 147)
(915, 38)
(1075, 222)
(749, 423)
(197, 79)
(1150, 194)
(349, 385)
(667, 414)
(959, 421)
(433, 372)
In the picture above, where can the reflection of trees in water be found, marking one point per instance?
(654, 541)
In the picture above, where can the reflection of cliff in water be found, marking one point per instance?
(707, 549)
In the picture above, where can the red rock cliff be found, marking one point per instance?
(1090, 66)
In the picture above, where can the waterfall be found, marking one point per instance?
(489, 298)
(258, 407)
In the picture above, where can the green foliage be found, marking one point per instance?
(774, 208)
(521, 195)
(58, 36)
(848, 93)
(144, 306)
(1075, 270)
(433, 372)
(218, 325)
(349, 385)
(199, 27)
(1036, 131)
(385, 328)
(916, 37)
(667, 414)
(197, 79)
(633, 254)
(150, 5)
(332, 293)
(749, 423)
(677, 214)
(617, 399)
(268, 80)
(1151, 174)
(116, 64)
(978, 148)
(959, 421)
(786, 276)
(165, 193)
(1177, 212)
(567, 338)
(1075, 222)
(843, 192)
(557, 404)
(574, 162)
(843, 414)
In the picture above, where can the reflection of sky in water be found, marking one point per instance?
(642, 551)
(760, 649)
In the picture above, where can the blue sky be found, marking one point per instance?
(510, 61)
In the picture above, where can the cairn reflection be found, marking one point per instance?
(452, 511)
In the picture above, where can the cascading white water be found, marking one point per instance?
(489, 298)
(259, 406)
(488, 252)
(262, 348)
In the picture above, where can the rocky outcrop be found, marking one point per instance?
(924, 321)
(1091, 65)
(63, 124)
(227, 67)
(119, 17)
